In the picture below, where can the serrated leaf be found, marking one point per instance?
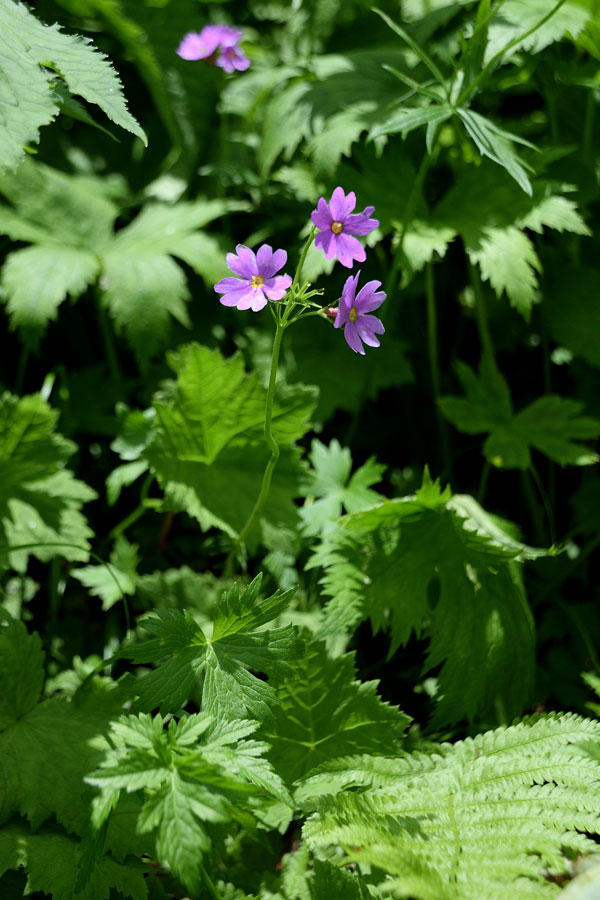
(332, 883)
(408, 119)
(236, 646)
(29, 50)
(550, 424)
(516, 19)
(21, 671)
(112, 581)
(40, 500)
(329, 487)
(191, 779)
(325, 713)
(50, 859)
(382, 563)
(507, 259)
(486, 817)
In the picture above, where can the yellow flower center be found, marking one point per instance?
(353, 314)
(257, 281)
(337, 227)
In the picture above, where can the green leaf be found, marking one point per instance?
(329, 488)
(389, 562)
(325, 713)
(38, 279)
(408, 119)
(190, 781)
(490, 214)
(550, 424)
(40, 500)
(21, 671)
(496, 144)
(332, 883)
(516, 19)
(51, 859)
(113, 580)
(237, 645)
(485, 817)
(29, 50)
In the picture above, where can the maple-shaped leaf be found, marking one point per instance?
(40, 500)
(330, 488)
(492, 215)
(69, 222)
(324, 713)
(550, 424)
(202, 438)
(190, 779)
(225, 659)
(332, 883)
(425, 564)
(114, 579)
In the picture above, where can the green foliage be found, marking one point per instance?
(236, 645)
(484, 817)
(550, 424)
(388, 564)
(113, 580)
(40, 500)
(329, 488)
(36, 60)
(324, 713)
(141, 285)
(187, 786)
(202, 440)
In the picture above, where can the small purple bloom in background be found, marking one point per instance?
(338, 227)
(352, 313)
(206, 43)
(256, 282)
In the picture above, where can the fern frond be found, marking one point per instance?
(485, 818)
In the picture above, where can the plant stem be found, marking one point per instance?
(108, 340)
(208, 884)
(407, 218)
(481, 313)
(269, 436)
(434, 364)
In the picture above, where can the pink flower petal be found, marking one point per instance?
(360, 224)
(225, 285)
(369, 298)
(195, 46)
(352, 338)
(341, 205)
(349, 249)
(321, 217)
(238, 266)
(325, 242)
(234, 298)
(248, 258)
(249, 300)
(275, 288)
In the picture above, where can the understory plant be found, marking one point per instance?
(299, 613)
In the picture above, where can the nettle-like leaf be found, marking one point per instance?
(189, 781)
(34, 58)
(237, 645)
(51, 860)
(332, 883)
(111, 581)
(551, 424)
(202, 439)
(433, 564)
(69, 221)
(40, 500)
(515, 19)
(492, 217)
(329, 487)
(32, 744)
(324, 713)
(489, 816)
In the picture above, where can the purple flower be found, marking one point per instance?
(338, 227)
(352, 314)
(213, 38)
(256, 282)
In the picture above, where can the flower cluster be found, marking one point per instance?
(256, 281)
(215, 43)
